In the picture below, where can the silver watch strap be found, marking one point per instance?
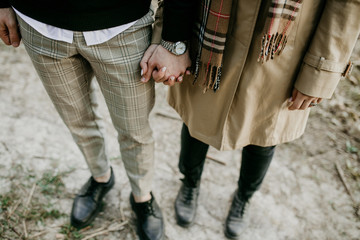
(167, 45)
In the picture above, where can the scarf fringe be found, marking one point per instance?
(209, 74)
(211, 29)
(272, 45)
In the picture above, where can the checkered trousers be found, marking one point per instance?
(66, 71)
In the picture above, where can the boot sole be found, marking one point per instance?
(229, 236)
(184, 225)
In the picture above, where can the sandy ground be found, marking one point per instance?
(302, 196)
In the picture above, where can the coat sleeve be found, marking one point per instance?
(178, 17)
(327, 58)
(174, 20)
(158, 24)
(4, 4)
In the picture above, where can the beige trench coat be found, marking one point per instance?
(251, 105)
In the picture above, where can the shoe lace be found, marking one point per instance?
(240, 211)
(239, 207)
(188, 194)
(92, 189)
(149, 209)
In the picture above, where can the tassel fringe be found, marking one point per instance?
(271, 45)
(210, 76)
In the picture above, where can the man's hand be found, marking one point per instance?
(300, 101)
(164, 66)
(9, 30)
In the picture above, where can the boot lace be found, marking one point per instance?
(238, 207)
(189, 194)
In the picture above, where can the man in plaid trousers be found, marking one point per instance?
(70, 44)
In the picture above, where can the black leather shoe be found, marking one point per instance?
(150, 223)
(234, 224)
(87, 203)
(186, 204)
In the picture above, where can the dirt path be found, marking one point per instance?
(41, 170)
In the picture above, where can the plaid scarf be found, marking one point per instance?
(208, 43)
(282, 14)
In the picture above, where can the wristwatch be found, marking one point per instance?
(177, 48)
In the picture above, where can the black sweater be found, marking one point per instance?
(90, 15)
(81, 15)
(179, 18)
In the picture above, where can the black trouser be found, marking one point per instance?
(254, 165)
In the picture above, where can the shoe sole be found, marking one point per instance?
(184, 225)
(229, 236)
(143, 237)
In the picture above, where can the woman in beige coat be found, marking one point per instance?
(257, 106)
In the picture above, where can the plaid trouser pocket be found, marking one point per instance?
(66, 71)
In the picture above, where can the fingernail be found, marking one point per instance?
(15, 44)
(188, 73)
(290, 99)
(172, 78)
(180, 79)
(141, 73)
(143, 79)
(163, 69)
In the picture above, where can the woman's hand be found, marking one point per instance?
(300, 101)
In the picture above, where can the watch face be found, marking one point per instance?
(180, 48)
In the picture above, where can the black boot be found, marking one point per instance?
(255, 163)
(186, 204)
(234, 224)
(150, 223)
(87, 203)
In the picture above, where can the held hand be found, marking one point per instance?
(144, 61)
(164, 66)
(300, 101)
(9, 30)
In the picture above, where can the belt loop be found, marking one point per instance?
(320, 63)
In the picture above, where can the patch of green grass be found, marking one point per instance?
(5, 202)
(39, 213)
(350, 148)
(51, 184)
(70, 232)
(13, 211)
(21, 204)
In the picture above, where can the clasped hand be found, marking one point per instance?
(164, 66)
(168, 68)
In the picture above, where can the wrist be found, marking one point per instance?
(176, 48)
